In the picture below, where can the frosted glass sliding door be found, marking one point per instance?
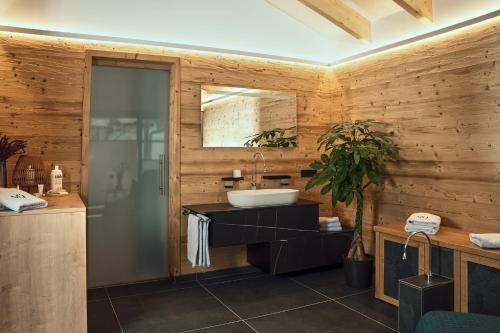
(128, 175)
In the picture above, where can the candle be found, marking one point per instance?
(236, 173)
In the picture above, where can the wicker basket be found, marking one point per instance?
(28, 172)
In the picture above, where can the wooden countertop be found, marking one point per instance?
(446, 237)
(68, 204)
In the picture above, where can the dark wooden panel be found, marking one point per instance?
(396, 268)
(315, 250)
(442, 261)
(483, 291)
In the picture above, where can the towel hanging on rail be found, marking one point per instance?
(197, 243)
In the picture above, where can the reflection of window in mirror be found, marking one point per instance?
(243, 117)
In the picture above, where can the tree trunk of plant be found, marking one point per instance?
(357, 250)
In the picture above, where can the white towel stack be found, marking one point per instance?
(486, 241)
(18, 200)
(329, 224)
(197, 242)
(425, 222)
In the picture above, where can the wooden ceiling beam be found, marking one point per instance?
(421, 9)
(343, 16)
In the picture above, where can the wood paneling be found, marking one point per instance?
(441, 98)
(41, 100)
(345, 17)
(421, 9)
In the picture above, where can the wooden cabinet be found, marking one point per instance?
(480, 284)
(43, 268)
(475, 271)
(390, 267)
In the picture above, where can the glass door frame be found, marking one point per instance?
(137, 60)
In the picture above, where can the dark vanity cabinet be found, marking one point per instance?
(256, 225)
(279, 239)
(309, 251)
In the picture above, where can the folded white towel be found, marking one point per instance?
(487, 241)
(329, 219)
(424, 219)
(331, 229)
(18, 200)
(328, 224)
(197, 244)
(427, 230)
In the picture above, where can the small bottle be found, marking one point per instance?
(56, 177)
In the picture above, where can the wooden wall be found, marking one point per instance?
(41, 94)
(442, 99)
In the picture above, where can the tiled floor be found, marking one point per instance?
(241, 300)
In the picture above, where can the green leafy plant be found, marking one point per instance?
(276, 137)
(9, 148)
(354, 153)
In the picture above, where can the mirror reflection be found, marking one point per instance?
(243, 117)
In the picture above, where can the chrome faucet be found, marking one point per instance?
(254, 173)
(429, 273)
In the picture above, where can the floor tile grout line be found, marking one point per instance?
(344, 305)
(306, 286)
(287, 310)
(176, 289)
(155, 292)
(227, 307)
(353, 294)
(212, 326)
(236, 280)
(225, 276)
(114, 311)
(364, 315)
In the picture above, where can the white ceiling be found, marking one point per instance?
(283, 29)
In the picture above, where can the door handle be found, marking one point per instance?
(161, 161)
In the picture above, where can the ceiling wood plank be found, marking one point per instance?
(343, 16)
(421, 9)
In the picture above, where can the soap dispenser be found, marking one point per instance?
(56, 177)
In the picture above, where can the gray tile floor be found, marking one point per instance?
(241, 300)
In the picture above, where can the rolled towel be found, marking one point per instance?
(487, 241)
(18, 200)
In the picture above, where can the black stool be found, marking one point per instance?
(419, 295)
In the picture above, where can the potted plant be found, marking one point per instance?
(8, 148)
(354, 153)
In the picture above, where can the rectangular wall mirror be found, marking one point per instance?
(243, 117)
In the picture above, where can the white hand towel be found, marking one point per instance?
(18, 200)
(427, 230)
(207, 254)
(424, 219)
(487, 241)
(328, 224)
(331, 229)
(193, 238)
(329, 219)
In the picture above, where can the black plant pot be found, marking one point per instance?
(358, 274)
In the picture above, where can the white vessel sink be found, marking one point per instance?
(263, 197)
